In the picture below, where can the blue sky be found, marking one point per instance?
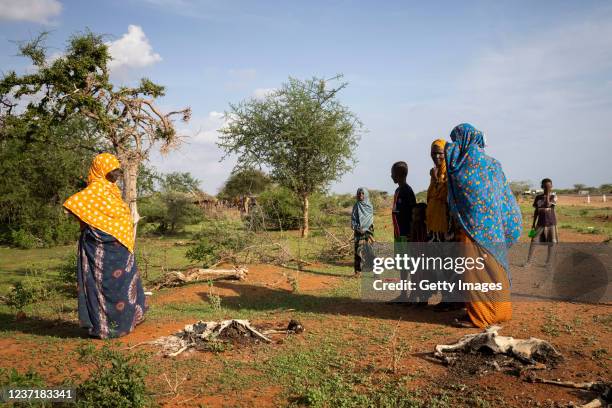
(536, 77)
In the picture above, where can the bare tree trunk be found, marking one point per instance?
(305, 227)
(130, 193)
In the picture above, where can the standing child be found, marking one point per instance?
(362, 221)
(544, 221)
(404, 201)
(419, 227)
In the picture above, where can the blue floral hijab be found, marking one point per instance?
(478, 194)
(363, 212)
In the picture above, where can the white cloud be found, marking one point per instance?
(132, 50)
(37, 11)
(199, 155)
(203, 130)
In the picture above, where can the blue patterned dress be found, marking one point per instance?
(110, 294)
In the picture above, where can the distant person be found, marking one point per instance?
(437, 219)
(418, 233)
(111, 300)
(437, 194)
(418, 230)
(488, 221)
(404, 201)
(362, 221)
(544, 221)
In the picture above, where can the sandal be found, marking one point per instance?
(462, 324)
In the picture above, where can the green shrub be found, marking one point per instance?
(67, 269)
(26, 292)
(116, 381)
(170, 211)
(277, 209)
(24, 239)
(218, 239)
(19, 297)
(12, 378)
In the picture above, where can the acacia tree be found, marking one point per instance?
(77, 84)
(300, 132)
(243, 183)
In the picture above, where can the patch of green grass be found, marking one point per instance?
(599, 354)
(604, 319)
(322, 377)
(551, 325)
(584, 220)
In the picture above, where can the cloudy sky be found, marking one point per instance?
(536, 77)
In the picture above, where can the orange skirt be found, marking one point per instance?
(485, 309)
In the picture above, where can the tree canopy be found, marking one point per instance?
(244, 182)
(300, 132)
(76, 86)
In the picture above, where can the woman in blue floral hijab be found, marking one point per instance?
(488, 218)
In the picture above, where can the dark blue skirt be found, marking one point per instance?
(111, 297)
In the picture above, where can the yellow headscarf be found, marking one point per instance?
(436, 215)
(100, 204)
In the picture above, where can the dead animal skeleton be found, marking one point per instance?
(528, 351)
(535, 352)
(202, 334)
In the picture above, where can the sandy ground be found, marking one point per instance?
(576, 200)
(419, 330)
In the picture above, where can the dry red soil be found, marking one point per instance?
(578, 337)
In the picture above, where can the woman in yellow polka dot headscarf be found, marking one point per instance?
(100, 205)
(111, 297)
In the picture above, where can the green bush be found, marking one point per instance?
(277, 209)
(12, 378)
(67, 269)
(218, 239)
(44, 232)
(116, 381)
(19, 296)
(23, 239)
(170, 211)
(38, 176)
(26, 292)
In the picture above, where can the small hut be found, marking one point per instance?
(205, 201)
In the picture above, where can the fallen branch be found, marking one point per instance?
(336, 248)
(603, 388)
(178, 278)
(569, 384)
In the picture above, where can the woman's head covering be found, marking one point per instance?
(439, 143)
(102, 164)
(440, 172)
(363, 211)
(100, 204)
(478, 194)
(436, 218)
